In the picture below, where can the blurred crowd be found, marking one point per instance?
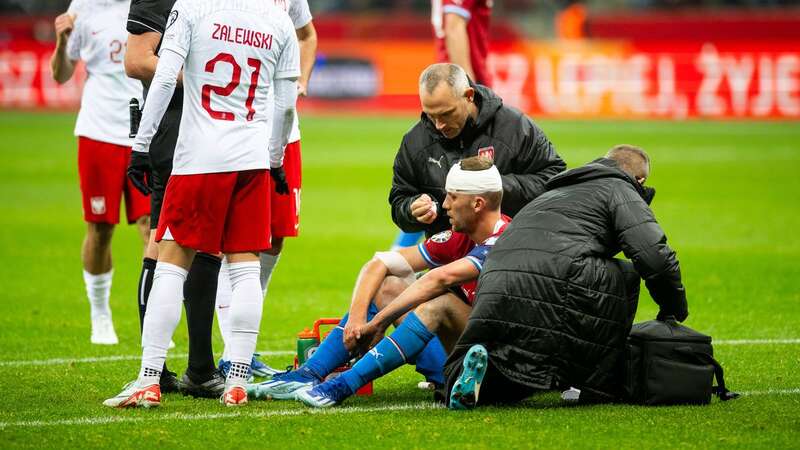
(423, 6)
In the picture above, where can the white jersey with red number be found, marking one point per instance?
(233, 50)
(99, 39)
(301, 16)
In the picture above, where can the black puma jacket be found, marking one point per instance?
(522, 153)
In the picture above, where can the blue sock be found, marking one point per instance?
(391, 352)
(407, 239)
(430, 362)
(331, 352)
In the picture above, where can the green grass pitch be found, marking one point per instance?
(727, 197)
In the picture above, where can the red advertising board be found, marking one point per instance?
(26, 81)
(655, 79)
(647, 79)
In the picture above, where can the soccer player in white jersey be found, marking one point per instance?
(285, 208)
(231, 53)
(94, 32)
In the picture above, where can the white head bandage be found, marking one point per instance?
(473, 181)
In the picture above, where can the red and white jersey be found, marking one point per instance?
(448, 246)
(233, 51)
(300, 14)
(298, 11)
(477, 13)
(99, 39)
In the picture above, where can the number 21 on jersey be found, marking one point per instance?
(225, 91)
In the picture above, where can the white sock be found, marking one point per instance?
(238, 374)
(98, 290)
(161, 319)
(268, 263)
(224, 295)
(245, 310)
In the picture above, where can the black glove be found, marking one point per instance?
(139, 171)
(649, 194)
(279, 178)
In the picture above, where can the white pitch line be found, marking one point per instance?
(102, 420)
(101, 359)
(772, 392)
(755, 341)
(105, 420)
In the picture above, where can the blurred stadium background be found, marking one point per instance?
(710, 88)
(619, 58)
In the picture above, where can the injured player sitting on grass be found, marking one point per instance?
(386, 292)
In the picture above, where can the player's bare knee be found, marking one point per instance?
(239, 257)
(100, 234)
(390, 288)
(432, 313)
(143, 221)
(152, 248)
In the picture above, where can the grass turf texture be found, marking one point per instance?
(727, 197)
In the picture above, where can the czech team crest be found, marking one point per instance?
(487, 152)
(441, 238)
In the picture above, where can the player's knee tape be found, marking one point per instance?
(245, 310)
(397, 265)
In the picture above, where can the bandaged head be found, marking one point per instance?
(473, 182)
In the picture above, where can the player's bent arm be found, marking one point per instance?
(61, 66)
(402, 264)
(368, 282)
(158, 97)
(456, 41)
(140, 56)
(433, 284)
(414, 258)
(307, 38)
(283, 115)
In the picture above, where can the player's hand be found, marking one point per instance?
(139, 171)
(368, 336)
(424, 209)
(64, 24)
(279, 178)
(649, 194)
(350, 335)
(302, 89)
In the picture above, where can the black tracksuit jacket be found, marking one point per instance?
(522, 153)
(554, 306)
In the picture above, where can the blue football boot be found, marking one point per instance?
(284, 385)
(464, 394)
(325, 395)
(259, 369)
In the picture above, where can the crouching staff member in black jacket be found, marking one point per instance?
(460, 120)
(553, 306)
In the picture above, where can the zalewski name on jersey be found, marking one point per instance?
(242, 36)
